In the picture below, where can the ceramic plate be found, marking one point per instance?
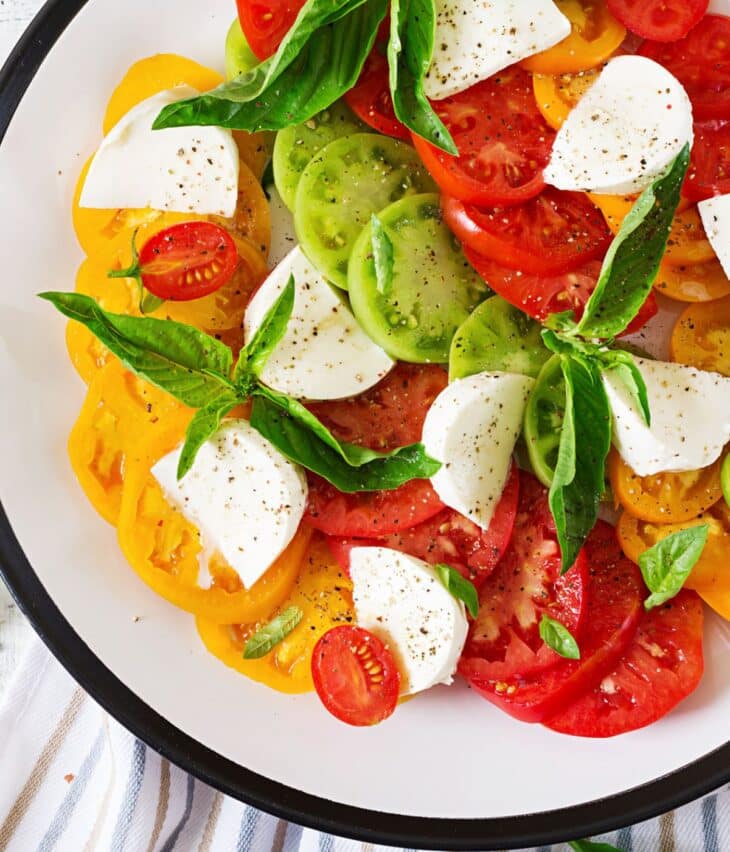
(448, 770)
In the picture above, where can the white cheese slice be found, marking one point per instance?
(181, 169)
(715, 215)
(719, 7)
(246, 499)
(283, 235)
(690, 418)
(472, 428)
(401, 600)
(324, 353)
(477, 38)
(624, 131)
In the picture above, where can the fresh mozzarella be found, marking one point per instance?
(401, 600)
(715, 214)
(245, 498)
(283, 235)
(181, 169)
(719, 7)
(472, 428)
(324, 353)
(477, 38)
(624, 131)
(690, 418)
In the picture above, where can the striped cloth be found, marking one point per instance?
(72, 779)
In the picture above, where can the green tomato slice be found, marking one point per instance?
(341, 188)
(239, 57)
(497, 337)
(725, 479)
(544, 420)
(296, 145)
(432, 288)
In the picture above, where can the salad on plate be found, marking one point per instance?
(407, 349)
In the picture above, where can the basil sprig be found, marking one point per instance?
(319, 59)
(270, 635)
(459, 587)
(198, 370)
(666, 565)
(557, 636)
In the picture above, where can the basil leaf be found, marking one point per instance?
(557, 636)
(410, 49)
(667, 564)
(320, 59)
(269, 636)
(267, 336)
(149, 302)
(188, 364)
(585, 439)
(459, 587)
(296, 440)
(382, 256)
(590, 846)
(623, 364)
(632, 261)
(204, 425)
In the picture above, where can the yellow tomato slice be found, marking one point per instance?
(699, 282)
(323, 594)
(255, 150)
(719, 601)
(701, 337)
(688, 243)
(665, 498)
(252, 220)
(615, 208)
(710, 574)
(594, 36)
(556, 95)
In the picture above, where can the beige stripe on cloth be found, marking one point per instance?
(279, 836)
(40, 768)
(210, 825)
(163, 799)
(667, 837)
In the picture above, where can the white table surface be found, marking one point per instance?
(15, 632)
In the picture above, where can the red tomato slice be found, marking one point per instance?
(188, 261)
(388, 416)
(355, 676)
(451, 538)
(701, 63)
(662, 666)
(266, 22)
(370, 99)
(660, 20)
(503, 141)
(614, 597)
(554, 233)
(709, 167)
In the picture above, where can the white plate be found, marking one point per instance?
(448, 769)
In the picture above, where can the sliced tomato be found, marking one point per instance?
(266, 22)
(614, 595)
(660, 20)
(370, 98)
(355, 676)
(709, 166)
(554, 233)
(661, 667)
(388, 416)
(503, 141)
(701, 63)
(450, 538)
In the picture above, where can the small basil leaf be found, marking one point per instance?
(623, 364)
(297, 441)
(382, 256)
(632, 261)
(579, 478)
(149, 302)
(591, 846)
(557, 636)
(667, 564)
(188, 364)
(267, 336)
(204, 425)
(459, 587)
(410, 49)
(269, 636)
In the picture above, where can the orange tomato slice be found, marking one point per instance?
(719, 601)
(701, 336)
(556, 95)
(700, 282)
(688, 243)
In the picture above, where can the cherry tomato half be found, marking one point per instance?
(266, 22)
(355, 676)
(503, 141)
(659, 20)
(370, 99)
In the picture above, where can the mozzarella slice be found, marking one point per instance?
(624, 131)
(245, 498)
(283, 235)
(181, 169)
(472, 428)
(719, 7)
(401, 600)
(324, 353)
(715, 215)
(477, 38)
(690, 418)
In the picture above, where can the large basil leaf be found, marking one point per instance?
(188, 364)
(267, 336)
(318, 62)
(203, 426)
(632, 261)
(300, 444)
(410, 49)
(666, 566)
